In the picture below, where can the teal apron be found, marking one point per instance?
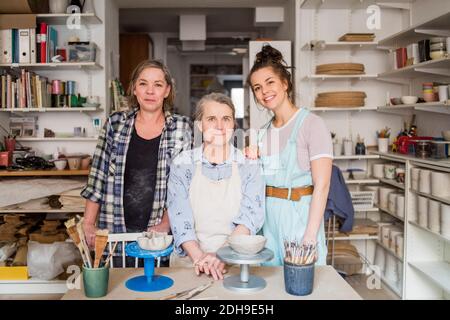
(286, 219)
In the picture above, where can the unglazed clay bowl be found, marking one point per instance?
(154, 241)
(246, 244)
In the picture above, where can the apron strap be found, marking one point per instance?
(292, 145)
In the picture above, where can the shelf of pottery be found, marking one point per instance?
(428, 241)
(390, 200)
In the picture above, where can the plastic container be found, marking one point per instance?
(82, 52)
(298, 279)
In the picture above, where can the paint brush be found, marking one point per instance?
(83, 242)
(101, 239)
(73, 233)
(110, 255)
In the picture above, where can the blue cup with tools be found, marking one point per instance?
(299, 261)
(298, 279)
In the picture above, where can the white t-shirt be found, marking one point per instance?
(313, 140)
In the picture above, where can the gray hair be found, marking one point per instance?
(216, 97)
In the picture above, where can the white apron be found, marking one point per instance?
(214, 205)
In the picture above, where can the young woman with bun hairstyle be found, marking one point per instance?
(296, 152)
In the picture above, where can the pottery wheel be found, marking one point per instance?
(149, 282)
(245, 282)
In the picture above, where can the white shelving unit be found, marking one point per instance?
(51, 65)
(92, 79)
(30, 110)
(73, 139)
(438, 26)
(61, 19)
(433, 67)
(337, 45)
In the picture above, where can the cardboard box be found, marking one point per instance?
(17, 21)
(20, 14)
(13, 273)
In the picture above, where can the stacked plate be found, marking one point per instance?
(340, 68)
(358, 37)
(340, 99)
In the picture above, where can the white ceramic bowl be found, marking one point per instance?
(410, 99)
(154, 241)
(245, 244)
(60, 164)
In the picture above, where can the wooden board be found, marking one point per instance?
(342, 94)
(352, 37)
(43, 173)
(340, 66)
(328, 285)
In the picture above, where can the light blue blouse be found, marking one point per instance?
(252, 207)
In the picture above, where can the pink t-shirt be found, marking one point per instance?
(313, 140)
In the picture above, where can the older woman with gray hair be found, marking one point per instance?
(213, 191)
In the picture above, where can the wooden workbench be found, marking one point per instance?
(328, 284)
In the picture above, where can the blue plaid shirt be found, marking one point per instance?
(106, 178)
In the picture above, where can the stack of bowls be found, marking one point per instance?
(428, 92)
(438, 48)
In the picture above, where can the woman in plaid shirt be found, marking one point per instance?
(127, 186)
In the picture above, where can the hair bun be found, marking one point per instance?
(269, 54)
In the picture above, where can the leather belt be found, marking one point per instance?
(295, 194)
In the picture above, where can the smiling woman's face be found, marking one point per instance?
(217, 123)
(151, 89)
(269, 89)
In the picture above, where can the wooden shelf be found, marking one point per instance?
(391, 214)
(430, 231)
(316, 45)
(342, 77)
(337, 109)
(439, 26)
(73, 139)
(362, 181)
(63, 18)
(374, 209)
(389, 250)
(354, 237)
(21, 211)
(435, 67)
(51, 65)
(356, 157)
(430, 196)
(437, 271)
(393, 183)
(403, 158)
(43, 173)
(403, 109)
(25, 110)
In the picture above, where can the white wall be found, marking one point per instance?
(179, 66)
